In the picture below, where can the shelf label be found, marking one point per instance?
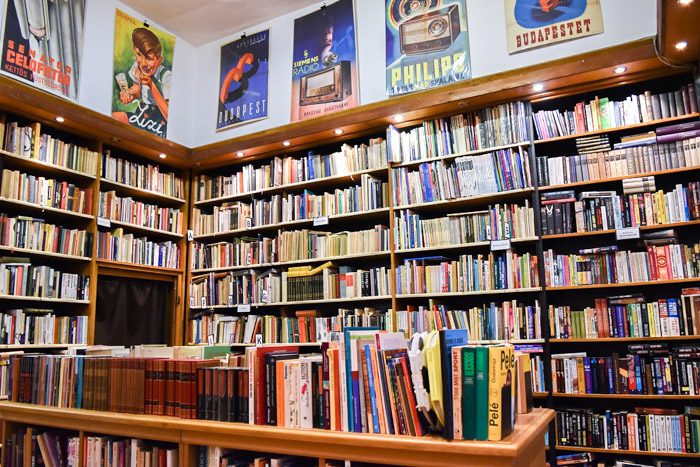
(244, 308)
(264, 296)
(248, 258)
(210, 339)
(323, 220)
(204, 302)
(627, 233)
(258, 340)
(249, 223)
(500, 245)
(102, 222)
(192, 302)
(231, 339)
(230, 300)
(190, 235)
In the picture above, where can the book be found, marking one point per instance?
(450, 339)
(501, 383)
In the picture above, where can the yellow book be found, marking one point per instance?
(501, 385)
(326, 265)
(433, 362)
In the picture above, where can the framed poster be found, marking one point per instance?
(243, 80)
(536, 23)
(427, 44)
(324, 73)
(43, 44)
(143, 62)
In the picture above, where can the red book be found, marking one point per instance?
(653, 263)
(260, 379)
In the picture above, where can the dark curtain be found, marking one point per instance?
(131, 311)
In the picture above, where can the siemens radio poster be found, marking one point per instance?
(143, 63)
(324, 73)
(427, 44)
(243, 80)
(43, 43)
(534, 23)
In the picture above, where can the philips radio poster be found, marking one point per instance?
(324, 73)
(143, 62)
(243, 80)
(427, 44)
(534, 23)
(43, 43)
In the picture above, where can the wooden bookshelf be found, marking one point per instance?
(628, 396)
(625, 284)
(473, 292)
(150, 195)
(38, 207)
(10, 347)
(295, 303)
(27, 298)
(461, 203)
(522, 144)
(623, 339)
(458, 246)
(106, 263)
(29, 163)
(143, 229)
(601, 181)
(46, 254)
(610, 232)
(623, 452)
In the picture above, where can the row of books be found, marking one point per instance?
(607, 265)
(106, 451)
(45, 192)
(586, 459)
(307, 244)
(46, 448)
(240, 251)
(35, 234)
(629, 316)
(212, 456)
(19, 278)
(38, 326)
(500, 221)
(130, 211)
(469, 273)
(646, 369)
(561, 170)
(282, 171)
(603, 113)
(639, 429)
(5, 379)
(485, 128)
(126, 248)
(466, 176)
(142, 176)
(28, 141)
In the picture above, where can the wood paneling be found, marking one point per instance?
(675, 23)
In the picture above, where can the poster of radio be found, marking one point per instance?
(427, 44)
(43, 43)
(324, 73)
(535, 23)
(243, 80)
(143, 62)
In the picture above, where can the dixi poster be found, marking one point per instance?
(43, 44)
(324, 73)
(427, 44)
(535, 23)
(243, 80)
(143, 62)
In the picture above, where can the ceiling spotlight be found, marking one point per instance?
(286, 143)
(537, 87)
(162, 155)
(339, 131)
(398, 118)
(681, 45)
(240, 153)
(60, 119)
(685, 2)
(619, 70)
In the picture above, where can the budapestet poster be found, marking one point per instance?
(243, 80)
(43, 43)
(143, 63)
(324, 73)
(427, 44)
(535, 23)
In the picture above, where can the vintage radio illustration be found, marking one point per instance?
(430, 32)
(331, 84)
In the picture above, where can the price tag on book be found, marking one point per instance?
(500, 245)
(231, 339)
(248, 258)
(192, 302)
(323, 220)
(204, 302)
(210, 339)
(249, 223)
(190, 235)
(258, 340)
(627, 233)
(264, 296)
(102, 222)
(244, 308)
(230, 300)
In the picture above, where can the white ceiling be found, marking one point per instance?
(202, 21)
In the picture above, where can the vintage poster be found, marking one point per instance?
(243, 80)
(43, 44)
(534, 23)
(427, 44)
(143, 63)
(324, 73)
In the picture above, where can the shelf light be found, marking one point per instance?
(60, 119)
(162, 155)
(619, 70)
(681, 45)
(398, 118)
(286, 143)
(538, 87)
(339, 131)
(240, 154)
(685, 2)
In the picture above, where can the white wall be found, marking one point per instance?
(96, 79)
(624, 21)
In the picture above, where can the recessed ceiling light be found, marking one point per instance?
(339, 131)
(537, 87)
(60, 119)
(619, 69)
(240, 153)
(398, 118)
(685, 2)
(286, 143)
(681, 45)
(162, 155)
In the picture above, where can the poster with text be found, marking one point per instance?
(143, 63)
(427, 44)
(535, 23)
(43, 44)
(324, 74)
(243, 80)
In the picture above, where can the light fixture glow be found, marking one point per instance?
(398, 118)
(162, 155)
(619, 70)
(537, 87)
(339, 131)
(60, 119)
(240, 153)
(681, 45)
(685, 2)
(286, 143)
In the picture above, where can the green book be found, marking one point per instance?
(604, 113)
(469, 392)
(481, 383)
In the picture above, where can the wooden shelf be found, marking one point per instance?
(294, 186)
(625, 284)
(39, 346)
(626, 396)
(25, 298)
(661, 121)
(466, 153)
(622, 452)
(458, 203)
(464, 294)
(524, 447)
(47, 167)
(139, 228)
(658, 173)
(609, 232)
(299, 302)
(623, 339)
(292, 263)
(540, 395)
(47, 254)
(109, 264)
(38, 207)
(456, 246)
(138, 192)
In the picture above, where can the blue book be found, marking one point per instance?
(620, 321)
(449, 338)
(79, 362)
(352, 381)
(372, 390)
(425, 181)
(638, 373)
(611, 375)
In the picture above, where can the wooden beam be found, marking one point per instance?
(677, 22)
